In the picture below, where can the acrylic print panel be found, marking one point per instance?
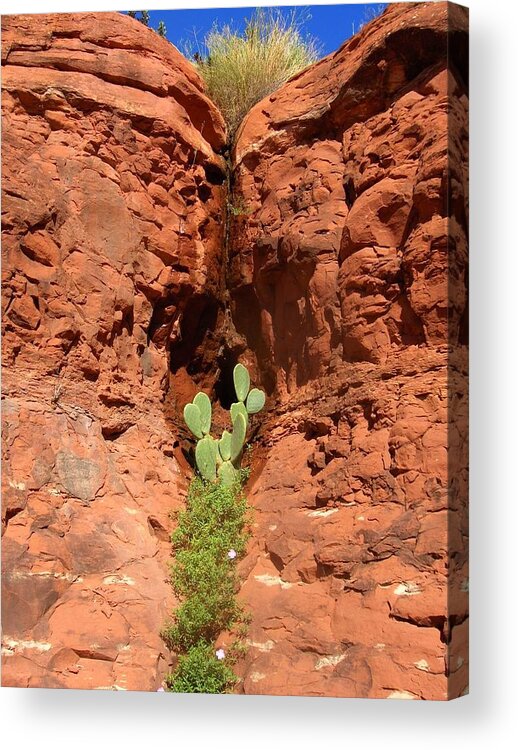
(235, 312)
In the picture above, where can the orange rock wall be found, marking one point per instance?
(349, 284)
(111, 235)
(340, 280)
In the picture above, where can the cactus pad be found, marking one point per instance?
(241, 381)
(192, 416)
(205, 459)
(202, 401)
(224, 445)
(238, 438)
(238, 408)
(227, 473)
(255, 401)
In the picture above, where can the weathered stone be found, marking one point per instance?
(347, 289)
(348, 284)
(111, 235)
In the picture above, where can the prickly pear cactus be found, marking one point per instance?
(221, 459)
(225, 443)
(206, 459)
(238, 438)
(202, 401)
(255, 401)
(241, 381)
(192, 416)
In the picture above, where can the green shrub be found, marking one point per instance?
(214, 523)
(199, 671)
(241, 69)
(211, 535)
(215, 516)
(162, 30)
(201, 618)
(144, 16)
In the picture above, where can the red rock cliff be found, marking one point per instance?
(345, 293)
(112, 233)
(348, 274)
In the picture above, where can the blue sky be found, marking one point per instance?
(330, 24)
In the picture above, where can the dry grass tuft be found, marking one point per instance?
(241, 69)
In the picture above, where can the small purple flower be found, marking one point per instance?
(220, 654)
(160, 689)
(232, 554)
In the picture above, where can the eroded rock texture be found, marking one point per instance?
(112, 245)
(348, 275)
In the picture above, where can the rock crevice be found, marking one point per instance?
(112, 237)
(330, 257)
(347, 278)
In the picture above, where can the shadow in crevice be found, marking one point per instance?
(224, 391)
(196, 337)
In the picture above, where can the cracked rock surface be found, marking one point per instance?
(339, 280)
(111, 234)
(349, 283)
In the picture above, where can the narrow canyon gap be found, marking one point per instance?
(341, 285)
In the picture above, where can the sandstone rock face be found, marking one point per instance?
(111, 241)
(348, 273)
(343, 186)
(346, 279)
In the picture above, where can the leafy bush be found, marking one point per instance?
(199, 671)
(144, 16)
(211, 535)
(201, 617)
(214, 518)
(241, 69)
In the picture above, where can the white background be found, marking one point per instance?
(72, 719)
